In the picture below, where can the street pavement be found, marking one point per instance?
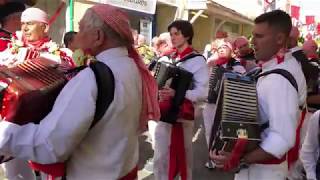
(200, 155)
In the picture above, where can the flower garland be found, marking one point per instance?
(49, 46)
(34, 49)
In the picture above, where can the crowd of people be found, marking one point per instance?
(67, 143)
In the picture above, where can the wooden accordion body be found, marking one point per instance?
(237, 114)
(28, 91)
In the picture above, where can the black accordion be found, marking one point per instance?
(215, 81)
(237, 114)
(181, 81)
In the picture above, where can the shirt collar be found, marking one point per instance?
(112, 53)
(294, 49)
(266, 66)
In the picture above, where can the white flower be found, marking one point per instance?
(19, 43)
(53, 47)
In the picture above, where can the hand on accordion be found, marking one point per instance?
(230, 161)
(166, 94)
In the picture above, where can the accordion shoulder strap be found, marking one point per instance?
(286, 74)
(190, 56)
(106, 86)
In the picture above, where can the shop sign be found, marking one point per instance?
(146, 6)
(196, 4)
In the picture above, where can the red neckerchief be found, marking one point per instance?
(312, 56)
(179, 55)
(279, 57)
(221, 61)
(36, 44)
(168, 52)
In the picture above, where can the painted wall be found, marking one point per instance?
(249, 8)
(164, 16)
(203, 32)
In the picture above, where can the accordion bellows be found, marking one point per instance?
(240, 112)
(28, 91)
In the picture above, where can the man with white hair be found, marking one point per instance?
(109, 150)
(33, 41)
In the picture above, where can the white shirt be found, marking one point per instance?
(309, 152)
(294, 49)
(198, 67)
(279, 104)
(109, 150)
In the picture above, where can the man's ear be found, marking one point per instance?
(46, 28)
(100, 37)
(281, 39)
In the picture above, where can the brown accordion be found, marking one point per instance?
(237, 113)
(28, 90)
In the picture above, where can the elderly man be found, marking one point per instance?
(10, 14)
(109, 150)
(33, 41)
(279, 100)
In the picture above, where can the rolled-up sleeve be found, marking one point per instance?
(60, 131)
(310, 148)
(278, 100)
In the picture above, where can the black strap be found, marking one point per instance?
(286, 74)
(106, 87)
(190, 56)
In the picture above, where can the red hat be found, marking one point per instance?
(221, 34)
(117, 20)
(240, 41)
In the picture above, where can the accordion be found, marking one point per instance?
(28, 90)
(237, 113)
(180, 80)
(215, 80)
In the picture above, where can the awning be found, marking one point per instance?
(222, 11)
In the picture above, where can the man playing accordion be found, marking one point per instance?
(174, 131)
(33, 42)
(279, 103)
(30, 43)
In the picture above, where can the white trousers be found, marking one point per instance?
(18, 169)
(295, 172)
(162, 149)
(263, 172)
(152, 128)
(208, 114)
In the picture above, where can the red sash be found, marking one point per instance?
(177, 156)
(293, 154)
